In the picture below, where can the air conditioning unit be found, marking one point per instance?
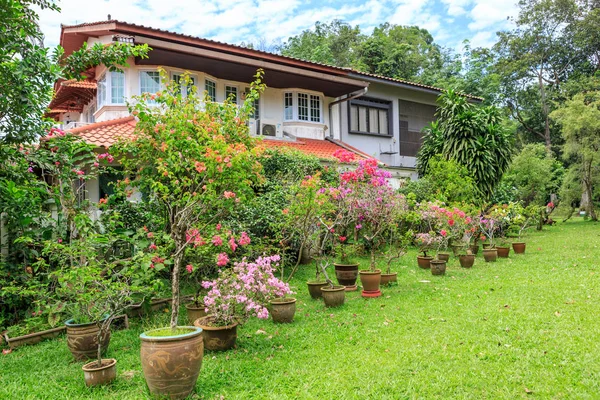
(271, 128)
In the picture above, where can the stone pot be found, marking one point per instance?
(283, 310)
(194, 312)
(171, 364)
(474, 249)
(519, 247)
(82, 340)
(386, 279)
(443, 256)
(370, 280)
(503, 251)
(438, 267)
(490, 255)
(33, 338)
(334, 297)
(217, 338)
(314, 288)
(95, 375)
(466, 260)
(487, 246)
(424, 262)
(346, 274)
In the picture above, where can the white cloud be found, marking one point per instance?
(486, 13)
(456, 7)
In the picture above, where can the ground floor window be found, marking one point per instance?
(370, 116)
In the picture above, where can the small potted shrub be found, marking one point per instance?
(488, 227)
(502, 216)
(333, 295)
(521, 222)
(346, 270)
(438, 264)
(425, 242)
(236, 295)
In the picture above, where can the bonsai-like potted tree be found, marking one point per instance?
(488, 227)
(524, 219)
(195, 161)
(425, 242)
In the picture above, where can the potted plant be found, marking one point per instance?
(521, 222)
(438, 264)
(503, 215)
(195, 161)
(346, 270)
(333, 295)
(488, 227)
(425, 242)
(236, 295)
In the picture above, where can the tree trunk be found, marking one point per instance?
(588, 191)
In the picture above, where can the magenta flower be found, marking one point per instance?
(222, 259)
(189, 268)
(217, 240)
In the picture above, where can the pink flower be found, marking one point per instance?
(358, 227)
(218, 227)
(232, 244)
(550, 205)
(59, 240)
(244, 239)
(228, 195)
(189, 268)
(153, 247)
(451, 222)
(342, 239)
(56, 163)
(150, 235)
(217, 240)
(222, 259)
(96, 164)
(152, 265)
(443, 233)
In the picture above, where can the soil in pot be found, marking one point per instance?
(424, 262)
(194, 312)
(503, 251)
(283, 310)
(490, 255)
(443, 256)
(438, 267)
(171, 360)
(334, 297)
(217, 338)
(82, 340)
(314, 288)
(466, 260)
(102, 375)
(386, 279)
(519, 247)
(346, 275)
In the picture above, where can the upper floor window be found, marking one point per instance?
(211, 89)
(370, 116)
(302, 107)
(149, 81)
(181, 87)
(111, 89)
(231, 93)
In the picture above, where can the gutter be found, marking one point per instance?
(348, 97)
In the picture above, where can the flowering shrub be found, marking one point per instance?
(488, 226)
(427, 241)
(244, 291)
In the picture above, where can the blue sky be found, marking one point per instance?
(273, 21)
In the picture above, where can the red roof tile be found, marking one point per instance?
(106, 133)
(323, 149)
(80, 84)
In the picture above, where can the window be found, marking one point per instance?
(302, 106)
(90, 113)
(370, 116)
(184, 89)
(111, 89)
(413, 118)
(231, 93)
(288, 106)
(149, 81)
(315, 108)
(211, 89)
(256, 107)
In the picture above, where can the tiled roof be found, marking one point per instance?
(323, 149)
(106, 133)
(80, 84)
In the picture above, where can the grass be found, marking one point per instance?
(524, 327)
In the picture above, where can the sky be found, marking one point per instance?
(274, 21)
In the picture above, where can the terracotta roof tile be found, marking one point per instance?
(323, 149)
(80, 84)
(106, 133)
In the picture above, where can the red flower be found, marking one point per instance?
(342, 238)
(189, 268)
(443, 233)
(451, 222)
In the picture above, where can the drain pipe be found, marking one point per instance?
(348, 97)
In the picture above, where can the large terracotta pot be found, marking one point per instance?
(102, 375)
(346, 274)
(82, 340)
(314, 288)
(217, 338)
(194, 312)
(443, 256)
(283, 310)
(386, 279)
(490, 255)
(171, 364)
(519, 247)
(438, 267)
(370, 280)
(424, 262)
(466, 260)
(334, 297)
(503, 251)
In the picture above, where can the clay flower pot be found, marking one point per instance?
(314, 288)
(474, 249)
(283, 310)
(466, 260)
(386, 279)
(194, 312)
(443, 256)
(438, 267)
(82, 340)
(370, 280)
(217, 338)
(334, 297)
(102, 375)
(503, 251)
(519, 247)
(346, 275)
(424, 262)
(171, 364)
(490, 255)
(487, 246)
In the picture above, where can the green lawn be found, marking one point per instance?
(525, 327)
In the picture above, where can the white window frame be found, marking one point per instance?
(184, 92)
(104, 97)
(296, 106)
(258, 102)
(237, 92)
(213, 81)
(140, 72)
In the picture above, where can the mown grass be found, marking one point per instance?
(522, 327)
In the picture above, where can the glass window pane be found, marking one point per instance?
(315, 108)
(288, 106)
(101, 91)
(302, 106)
(149, 82)
(354, 118)
(373, 120)
(383, 122)
(211, 90)
(362, 119)
(231, 93)
(117, 87)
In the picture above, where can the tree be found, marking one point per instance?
(28, 69)
(580, 121)
(473, 136)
